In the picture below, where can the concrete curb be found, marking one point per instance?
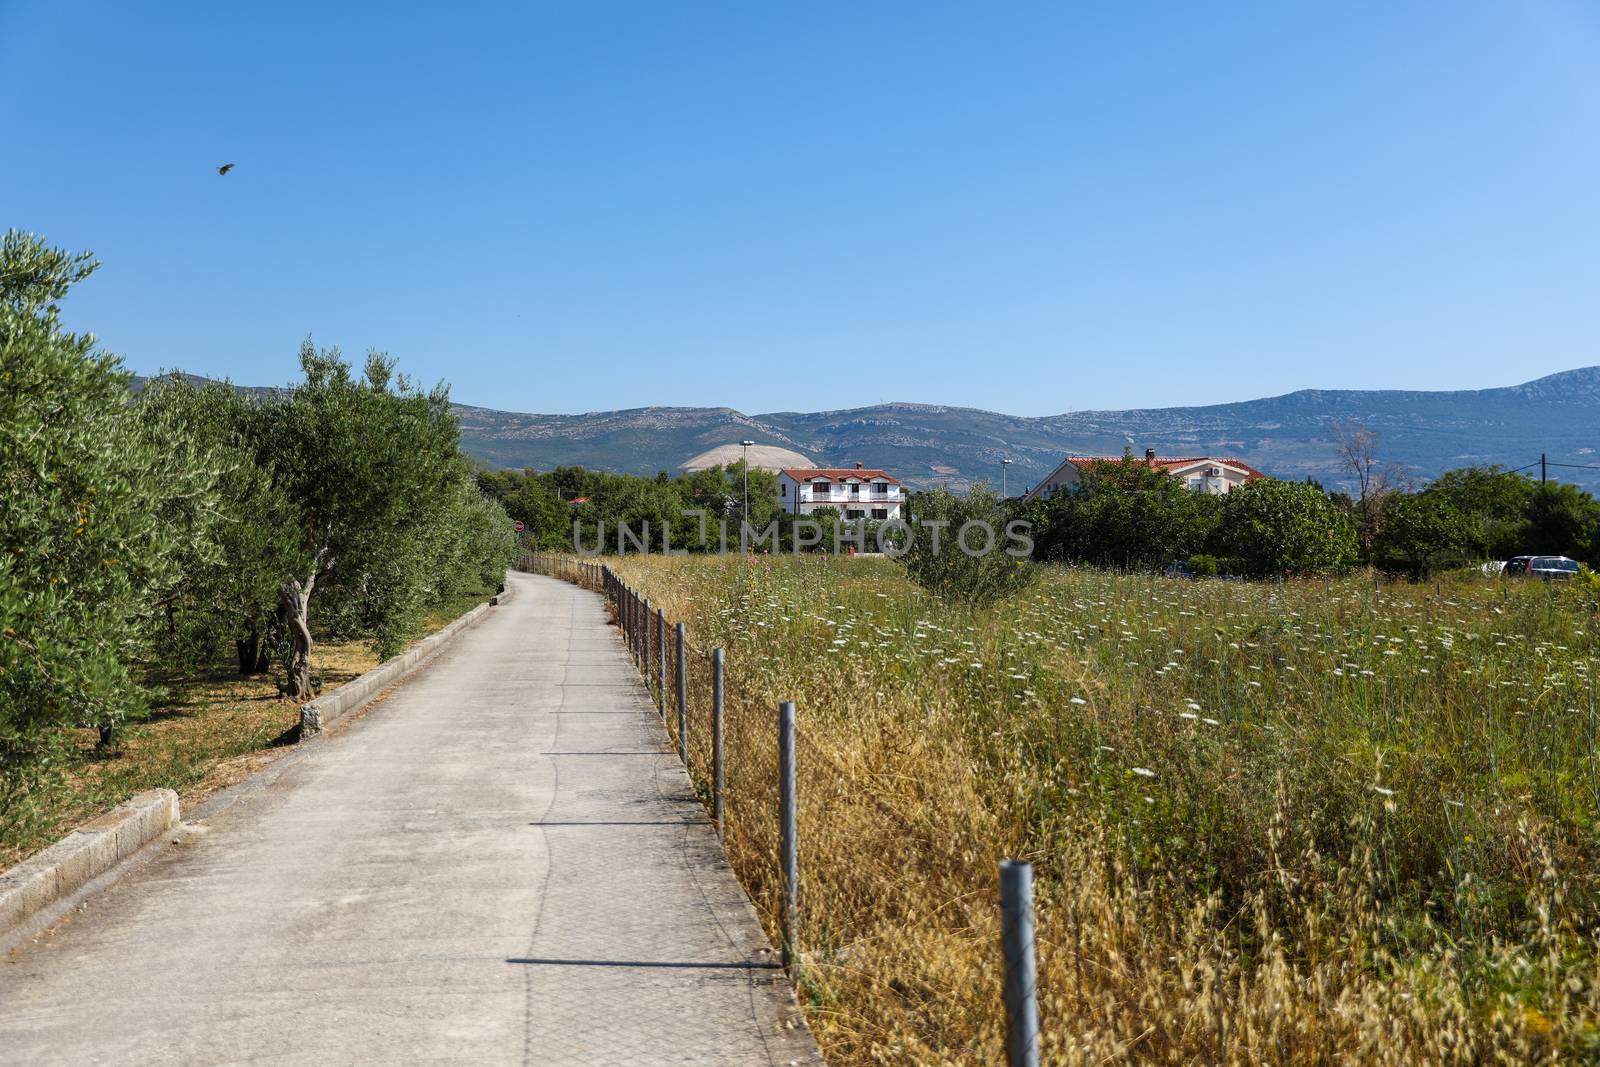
(99, 845)
(323, 712)
(83, 855)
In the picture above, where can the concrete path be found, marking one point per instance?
(502, 863)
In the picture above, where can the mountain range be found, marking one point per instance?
(1286, 436)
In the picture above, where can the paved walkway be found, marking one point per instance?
(502, 863)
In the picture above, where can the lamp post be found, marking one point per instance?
(746, 523)
(1004, 463)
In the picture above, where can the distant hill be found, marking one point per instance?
(1286, 436)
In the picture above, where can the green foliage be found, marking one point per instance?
(535, 503)
(1126, 514)
(1563, 520)
(1509, 514)
(1130, 516)
(1423, 533)
(1203, 566)
(381, 494)
(1273, 527)
(85, 548)
(237, 542)
(950, 563)
(144, 532)
(1494, 502)
(599, 503)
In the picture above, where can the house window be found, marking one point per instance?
(855, 488)
(820, 488)
(880, 513)
(785, 488)
(881, 488)
(852, 513)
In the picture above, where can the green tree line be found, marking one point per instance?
(573, 509)
(190, 522)
(1125, 514)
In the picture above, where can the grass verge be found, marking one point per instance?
(212, 729)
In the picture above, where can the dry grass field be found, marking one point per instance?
(1312, 822)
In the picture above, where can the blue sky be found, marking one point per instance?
(1032, 208)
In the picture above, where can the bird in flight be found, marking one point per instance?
(225, 168)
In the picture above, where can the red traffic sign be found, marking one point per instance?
(520, 526)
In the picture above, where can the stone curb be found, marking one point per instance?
(323, 712)
(97, 846)
(83, 855)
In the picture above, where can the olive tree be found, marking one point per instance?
(373, 469)
(86, 553)
(237, 542)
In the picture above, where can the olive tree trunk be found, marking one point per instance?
(294, 605)
(255, 647)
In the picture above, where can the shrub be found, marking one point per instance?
(1272, 527)
(1203, 566)
(1126, 515)
(937, 560)
(1423, 533)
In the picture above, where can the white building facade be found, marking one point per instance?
(855, 492)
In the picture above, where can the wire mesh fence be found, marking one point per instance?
(841, 908)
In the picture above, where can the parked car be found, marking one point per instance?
(1550, 568)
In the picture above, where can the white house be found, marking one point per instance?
(856, 492)
(1203, 474)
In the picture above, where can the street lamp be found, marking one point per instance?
(1004, 463)
(746, 525)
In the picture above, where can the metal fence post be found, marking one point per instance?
(716, 740)
(645, 648)
(683, 702)
(661, 665)
(789, 853)
(1016, 940)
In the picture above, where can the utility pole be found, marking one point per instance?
(746, 523)
(1004, 463)
(1543, 464)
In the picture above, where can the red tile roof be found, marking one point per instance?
(834, 474)
(1168, 463)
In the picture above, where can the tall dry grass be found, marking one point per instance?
(1309, 822)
